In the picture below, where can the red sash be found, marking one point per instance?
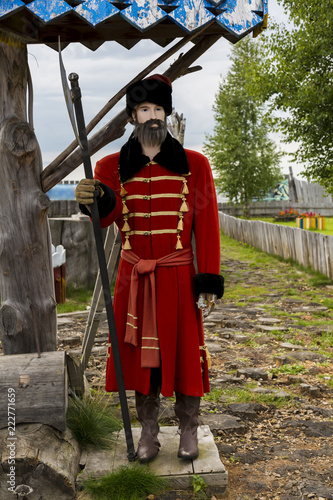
(150, 350)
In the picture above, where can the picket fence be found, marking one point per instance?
(309, 249)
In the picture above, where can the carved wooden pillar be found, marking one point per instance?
(28, 308)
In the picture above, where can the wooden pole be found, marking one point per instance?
(116, 127)
(26, 276)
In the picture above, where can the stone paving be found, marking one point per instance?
(271, 405)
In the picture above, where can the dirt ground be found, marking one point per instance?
(272, 371)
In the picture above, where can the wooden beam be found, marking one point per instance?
(97, 303)
(116, 98)
(116, 127)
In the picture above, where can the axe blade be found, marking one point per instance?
(67, 94)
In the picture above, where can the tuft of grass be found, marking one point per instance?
(77, 299)
(320, 280)
(92, 422)
(198, 485)
(214, 395)
(127, 483)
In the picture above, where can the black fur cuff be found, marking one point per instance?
(105, 203)
(208, 283)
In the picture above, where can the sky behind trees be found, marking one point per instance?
(103, 72)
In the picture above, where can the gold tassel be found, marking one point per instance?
(184, 207)
(127, 245)
(179, 245)
(185, 188)
(126, 227)
(123, 191)
(125, 209)
(180, 226)
(208, 357)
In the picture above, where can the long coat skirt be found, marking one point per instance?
(158, 212)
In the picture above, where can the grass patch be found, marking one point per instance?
(128, 483)
(245, 395)
(92, 422)
(289, 369)
(77, 299)
(320, 280)
(298, 283)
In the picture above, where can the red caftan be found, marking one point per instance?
(155, 196)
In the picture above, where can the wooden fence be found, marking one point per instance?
(303, 196)
(309, 249)
(272, 208)
(309, 193)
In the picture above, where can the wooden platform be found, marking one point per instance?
(178, 472)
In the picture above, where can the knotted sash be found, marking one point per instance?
(150, 350)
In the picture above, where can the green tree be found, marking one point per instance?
(244, 158)
(297, 75)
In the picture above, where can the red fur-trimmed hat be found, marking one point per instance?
(156, 89)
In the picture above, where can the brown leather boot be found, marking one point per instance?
(147, 408)
(187, 410)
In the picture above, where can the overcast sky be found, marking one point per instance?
(103, 72)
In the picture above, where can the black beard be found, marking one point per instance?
(150, 135)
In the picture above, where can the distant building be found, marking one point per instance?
(65, 190)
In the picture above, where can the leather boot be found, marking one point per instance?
(187, 410)
(147, 408)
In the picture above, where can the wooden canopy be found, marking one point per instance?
(92, 22)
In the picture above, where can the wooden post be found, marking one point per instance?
(28, 307)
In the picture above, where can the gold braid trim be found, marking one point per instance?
(151, 214)
(157, 178)
(153, 196)
(154, 231)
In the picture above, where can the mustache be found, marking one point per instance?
(151, 122)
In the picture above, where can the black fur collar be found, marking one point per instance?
(172, 156)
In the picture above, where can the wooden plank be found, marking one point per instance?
(168, 464)
(39, 385)
(177, 471)
(209, 466)
(329, 255)
(75, 373)
(98, 303)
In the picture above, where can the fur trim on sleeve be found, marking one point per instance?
(208, 283)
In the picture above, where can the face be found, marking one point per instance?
(148, 111)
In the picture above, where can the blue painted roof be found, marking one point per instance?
(92, 22)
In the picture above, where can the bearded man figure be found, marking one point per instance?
(160, 194)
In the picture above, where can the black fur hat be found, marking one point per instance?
(156, 89)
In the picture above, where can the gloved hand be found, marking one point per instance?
(85, 190)
(206, 303)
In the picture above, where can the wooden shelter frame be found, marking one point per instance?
(29, 324)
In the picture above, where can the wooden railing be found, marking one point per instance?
(309, 249)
